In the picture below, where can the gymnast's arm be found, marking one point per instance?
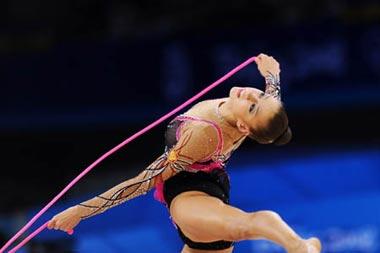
(270, 69)
(195, 144)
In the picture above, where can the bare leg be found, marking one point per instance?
(204, 219)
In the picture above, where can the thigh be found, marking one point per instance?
(204, 218)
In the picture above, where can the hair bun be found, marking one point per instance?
(284, 138)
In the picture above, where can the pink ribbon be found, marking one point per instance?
(89, 168)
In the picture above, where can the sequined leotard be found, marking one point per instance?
(208, 175)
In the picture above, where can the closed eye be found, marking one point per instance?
(252, 107)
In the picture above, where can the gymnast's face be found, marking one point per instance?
(251, 107)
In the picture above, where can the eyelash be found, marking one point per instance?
(252, 107)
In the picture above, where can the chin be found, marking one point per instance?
(231, 92)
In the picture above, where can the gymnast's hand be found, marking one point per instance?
(267, 65)
(65, 220)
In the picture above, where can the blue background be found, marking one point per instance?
(332, 194)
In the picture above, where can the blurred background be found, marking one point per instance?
(79, 77)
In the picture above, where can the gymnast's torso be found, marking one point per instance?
(207, 176)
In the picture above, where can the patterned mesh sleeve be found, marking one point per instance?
(272, 85)
(195, 143)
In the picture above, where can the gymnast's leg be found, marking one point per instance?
(203, 218)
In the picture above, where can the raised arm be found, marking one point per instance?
(195, 144)
(270, 69)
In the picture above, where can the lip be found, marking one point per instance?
(238, 93)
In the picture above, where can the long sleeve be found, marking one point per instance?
(196, 143)
(272, 85)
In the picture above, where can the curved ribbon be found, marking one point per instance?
(89, 168)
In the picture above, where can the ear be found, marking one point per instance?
(242, 127)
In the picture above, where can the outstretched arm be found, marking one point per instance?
(120, 193)
(192, 146)
(126, 190)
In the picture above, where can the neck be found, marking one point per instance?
(226, 119)
(224, 113)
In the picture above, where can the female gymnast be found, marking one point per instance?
(190, 176)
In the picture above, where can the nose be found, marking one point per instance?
(252, 94)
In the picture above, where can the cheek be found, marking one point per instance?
(240, 108)
(261, 121)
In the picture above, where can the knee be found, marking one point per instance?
(250, 226)
(265, 214)
(238, 229)
(264, 218)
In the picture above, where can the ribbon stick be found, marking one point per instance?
(89, 168)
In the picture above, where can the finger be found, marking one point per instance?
(51, 224)
(69, 230)
(67, 227)
(58, 225)
(259, 59)
(70, 226)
